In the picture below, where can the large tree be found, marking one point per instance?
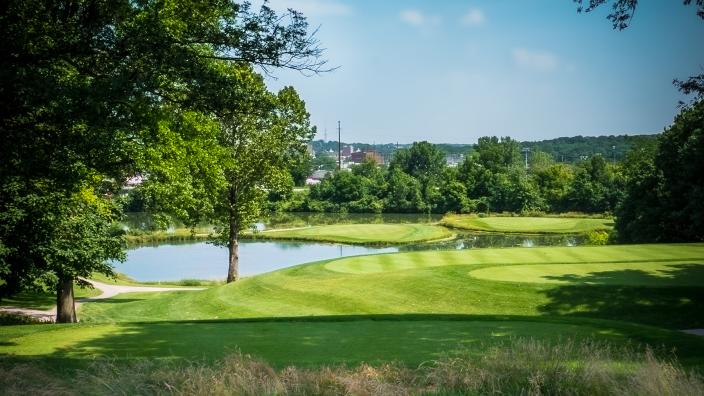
(665, 185)
(95, 91)
(261, 140)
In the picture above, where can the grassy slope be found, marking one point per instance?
(535, 225)
(442, 282)
(431, 283)
(362, 233)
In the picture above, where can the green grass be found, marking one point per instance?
(362, 233)
(435, 282)
(122, 279)
(522, 366)
(139, 237)
(527, 225)
(409, 307)
(311, 341)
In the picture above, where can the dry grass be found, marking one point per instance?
(525, 367)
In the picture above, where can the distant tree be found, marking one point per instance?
(373, 177)
(514, 191)
(451, 194)
(422, 160)
(301, 168)
(554, 183)
(404, 194)
(497, 154)
(596, 187)
(324, 162)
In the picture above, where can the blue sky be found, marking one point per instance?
(452, 71)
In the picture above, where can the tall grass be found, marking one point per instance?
(520, 366)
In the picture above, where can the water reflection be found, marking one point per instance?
(169, 262)
(490, 240)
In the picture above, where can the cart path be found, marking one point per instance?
(107, 290)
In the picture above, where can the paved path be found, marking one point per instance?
(107, 290)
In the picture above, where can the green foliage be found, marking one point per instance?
(95, 92)
(324, 162)
(665, 184)
(597, 237)
(596, 188)
(422, 160)
(492, 178)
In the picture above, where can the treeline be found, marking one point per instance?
(492, 179)
(563, 149)
(656, 192)
(575, 149)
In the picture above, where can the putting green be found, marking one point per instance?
(623, 254)
(362, 233)
(661, 274)
(536, 225)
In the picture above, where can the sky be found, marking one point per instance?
(452, 71)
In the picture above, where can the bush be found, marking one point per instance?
(597, 237)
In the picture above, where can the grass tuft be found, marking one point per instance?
(519, 366)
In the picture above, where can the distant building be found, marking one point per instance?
(454, 160)
(316, 177)
(360, 156)
(347, 151)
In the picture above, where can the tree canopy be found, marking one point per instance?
(96, 91)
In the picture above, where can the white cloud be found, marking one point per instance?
(542, 61)
(313, 7)
(413, 17)
(419, 19)
(473, 17)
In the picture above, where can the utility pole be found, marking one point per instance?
(526, 150)
(339, 146)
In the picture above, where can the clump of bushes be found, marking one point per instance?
(598, 237)
(519, 366)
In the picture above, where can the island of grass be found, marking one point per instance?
(527, 225)
(362, 234)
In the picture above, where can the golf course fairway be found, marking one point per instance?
(407, 307)
(362, 233)
(527, 225)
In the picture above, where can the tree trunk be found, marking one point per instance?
(233, 272)
(65, 305)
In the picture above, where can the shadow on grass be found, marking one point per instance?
(110, 300)
(633, 295)
(313, 341)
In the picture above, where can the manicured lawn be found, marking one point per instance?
(322, 341)
(410, 307)
(362, 233)
(444, 282)
(534, 225)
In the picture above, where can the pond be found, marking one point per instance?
(171, 262)
(200, 260)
